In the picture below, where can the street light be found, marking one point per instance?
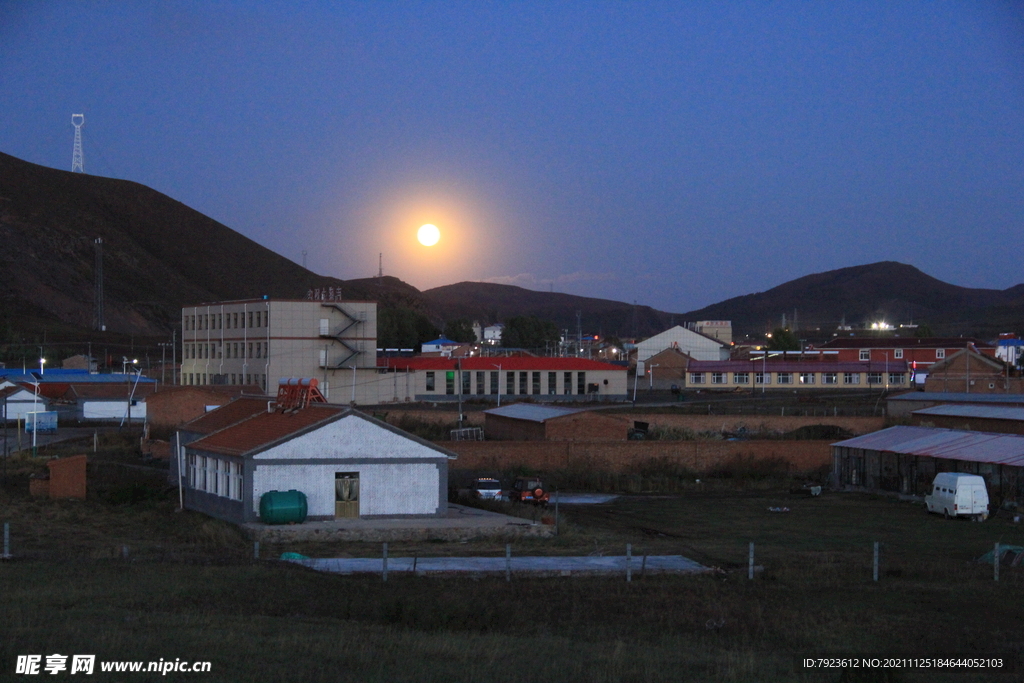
(652, 366)
(124, 364)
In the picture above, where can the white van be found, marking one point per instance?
(958, 495)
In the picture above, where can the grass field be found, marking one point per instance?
(190, 589)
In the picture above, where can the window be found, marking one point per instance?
(552, 383)
(449, 383)
(784, 377)
(259, 349)
(762, 378)
(235, 352)
(718, 378)
(865, 354)
(567, 385)
(480, 382)
(494, 381)
(467, 380)
(258, 318)
(898, 353)
(581, 382)
(896, 378)
(250, 350)
(523, 378)
(430, 381)
(940, 353)
(235, 317)
(851, 378)
(235, 490)
(741, 378)
(806, 378)
(510, 383)
(248, 378)
(830, 378)
(220, 321)
(536, 382)
(250, 318)
(696, 378)
(232, 378)
(874, 378)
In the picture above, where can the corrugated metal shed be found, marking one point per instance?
(984, 412)
(951, 444)
(530, 412)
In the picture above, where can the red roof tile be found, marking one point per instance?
(506, 363)
(265, 428)
(227, 415)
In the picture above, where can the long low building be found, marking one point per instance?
(904, 404)
(806, 374)
(494, 378)
(906, 460)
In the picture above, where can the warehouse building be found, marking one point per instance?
(530, 422)
(905, 460)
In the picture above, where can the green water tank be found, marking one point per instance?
(283, 507)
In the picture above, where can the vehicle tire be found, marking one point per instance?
(945, 513)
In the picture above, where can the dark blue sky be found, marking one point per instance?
(673, 153)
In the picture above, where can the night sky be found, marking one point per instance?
(673, 153)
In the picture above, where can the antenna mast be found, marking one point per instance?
(77, 161)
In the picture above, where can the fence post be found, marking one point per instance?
(255, 550)
(995, 563)
(7, 541)
(384, 565)
(629, 562)
(750, 563)
(508, 562)
(874, 565)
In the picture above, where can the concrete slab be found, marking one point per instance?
(583, 498)
(540, 566)
(460, 524)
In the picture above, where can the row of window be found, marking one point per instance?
(198, 378)
(226, 321)
(213, 475)
(226, 350)
(865, 354)
(527, 382)
(804, 378)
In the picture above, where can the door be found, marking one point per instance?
(346, 494)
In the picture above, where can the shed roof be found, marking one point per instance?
(227, 415)
(951, 444)
(975, 411)
(263, 430)
(531, 412)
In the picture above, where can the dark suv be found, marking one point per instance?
(529, 490)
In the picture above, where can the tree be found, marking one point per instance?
(460, 330)
(783, 340)
(923, 330)
(403, 328)
(528, 332)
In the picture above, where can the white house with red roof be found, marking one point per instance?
(346, 463)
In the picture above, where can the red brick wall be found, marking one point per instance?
(586, 427)
(67, 477)
(803, 456)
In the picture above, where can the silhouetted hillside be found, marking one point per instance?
(889, 291)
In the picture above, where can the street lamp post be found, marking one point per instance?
(653, 365)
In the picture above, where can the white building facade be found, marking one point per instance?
(693, 344)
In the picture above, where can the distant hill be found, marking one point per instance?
(889, 291)
(490, 303)
(160, 255)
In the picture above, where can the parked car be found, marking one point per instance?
(486, 488)
(529, 490)
(958, 495)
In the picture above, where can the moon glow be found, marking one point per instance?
(428, 235)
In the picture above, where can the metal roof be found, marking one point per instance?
(983, 412)
(958, 397)
(531, 412)
(951, 444)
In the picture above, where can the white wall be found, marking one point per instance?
(384, 488)
(111, 410)
(689, 342)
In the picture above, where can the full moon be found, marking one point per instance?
(428, 235)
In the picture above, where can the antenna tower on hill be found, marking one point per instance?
(77, 161)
